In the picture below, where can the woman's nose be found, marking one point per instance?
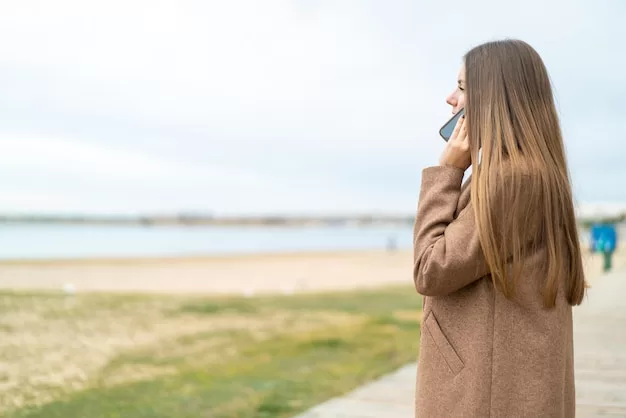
(451, 100)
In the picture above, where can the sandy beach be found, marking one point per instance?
(241, 274)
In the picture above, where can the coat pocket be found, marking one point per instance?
(443, 345)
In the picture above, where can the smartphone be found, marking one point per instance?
(447, 129)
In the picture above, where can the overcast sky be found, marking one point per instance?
(305, 106)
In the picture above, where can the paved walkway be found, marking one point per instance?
(600, 349)
(600, 356)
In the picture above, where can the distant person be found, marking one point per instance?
(604, 240)
(498, 258)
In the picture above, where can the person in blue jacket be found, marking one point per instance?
(604, 240)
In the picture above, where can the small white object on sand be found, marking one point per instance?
(69, 288)
(288, 290)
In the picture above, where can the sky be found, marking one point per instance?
(277, 107)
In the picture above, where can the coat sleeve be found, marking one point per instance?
(447, 254)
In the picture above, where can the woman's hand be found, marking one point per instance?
(457, 151)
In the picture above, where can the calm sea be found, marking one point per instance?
(41, 241)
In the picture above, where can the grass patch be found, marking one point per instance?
(221, 357)
(370, 301)
(211, 307)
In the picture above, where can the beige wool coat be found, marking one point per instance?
(482, 355)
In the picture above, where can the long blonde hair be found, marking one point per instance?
(520, 188)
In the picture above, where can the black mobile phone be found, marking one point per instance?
(447, 129)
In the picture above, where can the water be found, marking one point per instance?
(40, 241)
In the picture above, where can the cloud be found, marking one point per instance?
(106, 164)
(68, 175)
(266, 99)
(213, 66)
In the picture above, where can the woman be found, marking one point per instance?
(498, 258)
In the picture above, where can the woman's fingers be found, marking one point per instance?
(463, 131)
(457, 152)
(457, 128)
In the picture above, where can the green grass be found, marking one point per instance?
(261, 357)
